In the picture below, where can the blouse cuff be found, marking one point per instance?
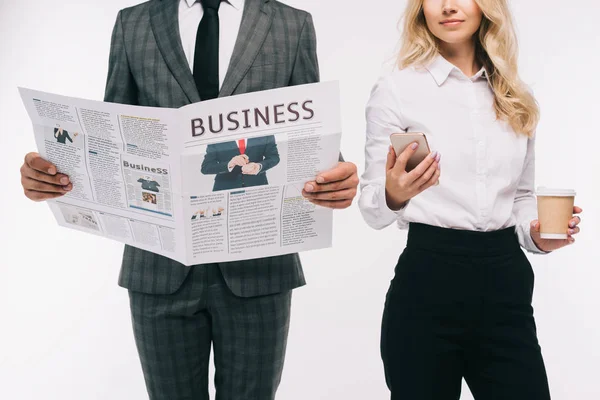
(385, 209)
(526, 241)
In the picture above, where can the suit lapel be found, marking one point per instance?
(164, 19)
(254, 28)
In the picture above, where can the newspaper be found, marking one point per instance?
(214, 181)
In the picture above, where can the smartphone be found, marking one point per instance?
(400, 141)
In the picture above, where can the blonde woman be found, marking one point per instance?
(459, 305)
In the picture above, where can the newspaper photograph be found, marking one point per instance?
(215, 181)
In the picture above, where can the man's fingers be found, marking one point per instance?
(340, 172)
(240, 160)
(40, 179)
(250, 169)
(348, 183)
(332, 204)
(39, 164)
(58, 179)
(346, 194)
(41, 196)
(32, 184)
(577, 210)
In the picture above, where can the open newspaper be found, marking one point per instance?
(215, 181)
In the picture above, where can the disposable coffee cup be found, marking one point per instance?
(555, 210)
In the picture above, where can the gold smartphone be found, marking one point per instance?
(400, 141)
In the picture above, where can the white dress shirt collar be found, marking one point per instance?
(230, 19)
(237, 4)
(440, 69)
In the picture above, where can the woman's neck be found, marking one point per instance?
(462, 55)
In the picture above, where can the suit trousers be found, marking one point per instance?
(459, 306)
(174, 333)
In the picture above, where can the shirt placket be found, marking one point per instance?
(476, 101)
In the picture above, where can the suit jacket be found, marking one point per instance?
(149, 185)
(62, 138)
(276, 47)
(261, 150)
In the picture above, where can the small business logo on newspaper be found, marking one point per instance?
(254, 118)
(142, 167)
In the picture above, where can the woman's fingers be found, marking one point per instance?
(431, 181)
(427, 176)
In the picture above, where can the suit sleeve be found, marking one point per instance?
(306, 65)
(271, 156)
(120, 84)
(68, 137)
(211, 165)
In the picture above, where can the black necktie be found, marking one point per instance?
(206, 56)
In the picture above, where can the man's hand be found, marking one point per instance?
(555, 244)
(40, 179)
(251, 169)
(239, 161)
(335, 188)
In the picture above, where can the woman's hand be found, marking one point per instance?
(555, 244)
(401, 186)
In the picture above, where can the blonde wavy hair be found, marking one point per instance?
(496, 49)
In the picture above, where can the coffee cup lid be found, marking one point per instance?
(544, 191)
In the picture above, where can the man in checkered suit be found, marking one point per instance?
(240, 308)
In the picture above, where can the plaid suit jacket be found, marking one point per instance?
(276, 47)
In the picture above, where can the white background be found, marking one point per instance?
(65, 331)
